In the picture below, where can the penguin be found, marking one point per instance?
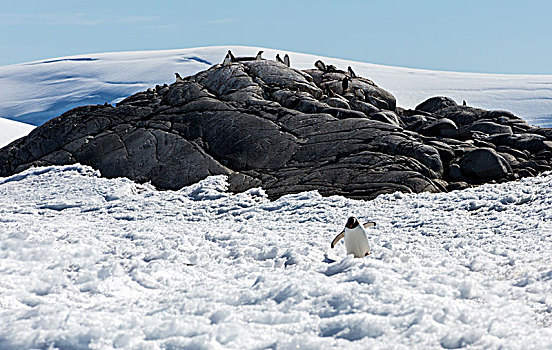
(320, 65)
(331, 68)
(258, 57)
(286, 60)
(232, 58)
(278, 59)
(345, 84)
(464, 103)
(351, 73)
(227, 61)
(178, 78)
(356, 241)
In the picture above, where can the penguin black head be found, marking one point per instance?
(352, 223)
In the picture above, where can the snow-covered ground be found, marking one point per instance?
(88, 262)
(38, 91)
(11, 130)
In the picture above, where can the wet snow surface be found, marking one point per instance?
(87, 262)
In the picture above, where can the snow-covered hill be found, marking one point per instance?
(88, 262)
(11, 130)
(37, 91)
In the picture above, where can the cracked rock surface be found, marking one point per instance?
(265, 124)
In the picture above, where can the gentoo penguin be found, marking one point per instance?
(227, 61)
(320, 65)
(286, 60)
(178, 78)
(351, 73)
(356, 241)
(345, 84)
(258, 57)
(232, 58)
(278, 59)
(464, 103)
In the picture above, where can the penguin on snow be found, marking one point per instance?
(356, 241)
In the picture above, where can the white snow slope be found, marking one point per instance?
(88, 262)
(11, 130)
(38, 91)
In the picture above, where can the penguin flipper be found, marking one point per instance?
(369, 224)
(338, 238)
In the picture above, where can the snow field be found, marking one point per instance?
(88, 262)
(35, 92)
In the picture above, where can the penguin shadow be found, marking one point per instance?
(327, 259)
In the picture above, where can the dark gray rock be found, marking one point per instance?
(462, 115)
(531, 143)
(415, 122)
(386, 117)
(435, 104)
(490, 128)
(483, 164)
(439, 127)
(454, 172)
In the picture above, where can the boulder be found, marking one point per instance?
(435, 104)
(437, 127)
(484, 164)
(490, 128)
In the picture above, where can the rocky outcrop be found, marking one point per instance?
(265, 124)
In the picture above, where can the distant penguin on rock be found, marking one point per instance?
(286, 60)
(351, 73)
(227, 61)
(464, 103)
(356, 241)
(345, 84)
(232, 58)
(278, 59)
(258, 57)
(178, 78)
(331, 68)
(320, 65)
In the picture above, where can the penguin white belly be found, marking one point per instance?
(356, 242)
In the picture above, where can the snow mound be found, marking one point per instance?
(35, 92)
(11, 130)
(89, 262)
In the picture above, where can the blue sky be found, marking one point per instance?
(468, 36)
